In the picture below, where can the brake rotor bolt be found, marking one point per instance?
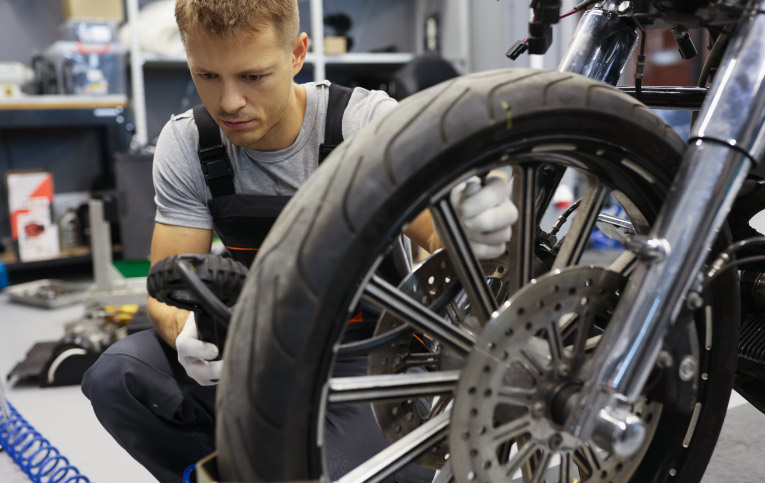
(538, 409)
(555, 441)
(665, 360)
(563, 369)
(687, 369)
(694, 301)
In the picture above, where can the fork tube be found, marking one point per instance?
(728, 141)
(602, 44)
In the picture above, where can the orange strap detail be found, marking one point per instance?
(242, 249)
(421, 341)
(357, 318)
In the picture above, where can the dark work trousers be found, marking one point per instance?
(165, 420)
(143, 397)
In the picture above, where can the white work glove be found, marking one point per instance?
(197, 356)
(486, 214)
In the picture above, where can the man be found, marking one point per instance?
(154, 391)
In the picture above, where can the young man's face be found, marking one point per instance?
(246, 83)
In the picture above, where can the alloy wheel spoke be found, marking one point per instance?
(424, 359)
(555, 339)
(409, 311)
(465, 264)
(511, 430)
(402, 452)
(523, 454)
(582, 335)
(439, 406)
(525, 229)
(584, 221)
(531, 364)
(541, 467)
(352, 390)
(590, 458)
(516, 396)
(565, 468)
(624, 264)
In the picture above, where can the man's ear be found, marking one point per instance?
(299, 50)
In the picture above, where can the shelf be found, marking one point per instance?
(76, 256)
(55, 111)
(366, 58)
(149, 58)
(51, 101)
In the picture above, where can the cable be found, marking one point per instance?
(36, 457)
(755, 240)
(740, 261)
(563, 217)
(187, 474)
(204, 295)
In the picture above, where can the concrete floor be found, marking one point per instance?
(64, 416)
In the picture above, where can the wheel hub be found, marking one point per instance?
(526, 370)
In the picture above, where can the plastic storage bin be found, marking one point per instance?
(68, 67)
(88, 31)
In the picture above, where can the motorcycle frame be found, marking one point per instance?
(725, 144)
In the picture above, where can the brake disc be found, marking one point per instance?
(511, 402)
(432, 284)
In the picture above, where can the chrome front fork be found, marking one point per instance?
(726, 141)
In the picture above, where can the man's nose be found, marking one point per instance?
(232, 99)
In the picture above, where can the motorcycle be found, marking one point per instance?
(554, 362)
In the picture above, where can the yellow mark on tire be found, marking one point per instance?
(508, 115)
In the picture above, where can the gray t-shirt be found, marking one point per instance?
(181, 191)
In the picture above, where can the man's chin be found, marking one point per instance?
(242, 138)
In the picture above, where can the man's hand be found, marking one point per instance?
(486, 213)
(197, 356)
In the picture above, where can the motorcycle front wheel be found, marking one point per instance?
(288, 337)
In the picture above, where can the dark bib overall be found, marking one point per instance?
(242, 221)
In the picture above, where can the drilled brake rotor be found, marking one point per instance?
(512, 398)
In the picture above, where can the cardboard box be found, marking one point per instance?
(93, 9)
(335, 45)
(30, 195)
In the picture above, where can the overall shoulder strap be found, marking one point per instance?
(212, 154)
(333, 130)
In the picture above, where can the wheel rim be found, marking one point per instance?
(533, 160)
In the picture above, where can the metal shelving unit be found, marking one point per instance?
(320, 60)
(105, 113)
(317, 58)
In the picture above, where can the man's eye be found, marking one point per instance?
(206, 76)
(254, 78)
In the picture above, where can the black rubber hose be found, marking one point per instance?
(204, 295)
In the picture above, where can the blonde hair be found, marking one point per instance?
(226, 18)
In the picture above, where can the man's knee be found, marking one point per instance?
(128, 374)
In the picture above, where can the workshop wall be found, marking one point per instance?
(75, 156)
(27, 25)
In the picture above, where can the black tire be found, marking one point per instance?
(300, 290)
